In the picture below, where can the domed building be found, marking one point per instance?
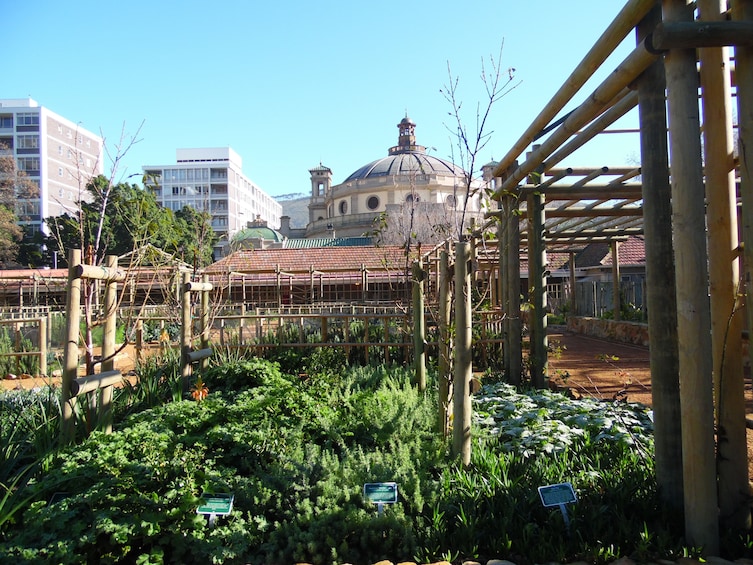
(406, 179)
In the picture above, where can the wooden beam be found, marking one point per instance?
(691, 35)
(594, 213)
(621, 26)
(691, 276)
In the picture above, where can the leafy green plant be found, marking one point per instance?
(296, 451)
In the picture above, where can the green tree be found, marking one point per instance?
(123, 217)
(196, 236)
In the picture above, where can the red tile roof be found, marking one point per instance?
(301, 260)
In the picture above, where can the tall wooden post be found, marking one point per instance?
(660, 275)
(70, 360)
(724, 273)
(43, 346)
(186, 329)
(616, 298)
(537, 284)
(445, 349)
(419, 326)
(742, 10)
(692, 278)
(514, 338)
(463, 369)
(104, 416)
(205, 329)
(503, 284)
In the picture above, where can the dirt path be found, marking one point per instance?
(604, 369)
(599, 368)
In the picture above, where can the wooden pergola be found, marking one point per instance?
(686, 207)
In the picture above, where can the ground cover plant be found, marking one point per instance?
(296, 449)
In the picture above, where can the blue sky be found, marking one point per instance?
(290, 84)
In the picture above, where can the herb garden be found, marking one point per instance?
(295, 451)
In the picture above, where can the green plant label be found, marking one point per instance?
(217, 504)
(555, 495)
(380, 493)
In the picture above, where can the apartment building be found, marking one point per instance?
(212, 180)
(56, 154)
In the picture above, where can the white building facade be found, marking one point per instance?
(212, 180)
(406, 177)
(57, 155)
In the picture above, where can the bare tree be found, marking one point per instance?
(469, 143)
(16, 191)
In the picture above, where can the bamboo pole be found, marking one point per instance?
(445, 349)
(724, 272)
(463, 369)
(71, 352)
(660, 275)
(693, 311)
(621, 26)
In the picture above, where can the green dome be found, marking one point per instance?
(260, 232)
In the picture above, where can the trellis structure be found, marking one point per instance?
(694, 341)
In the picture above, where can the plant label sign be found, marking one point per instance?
(558, 495)
(380, 494)
(554, 495)
(215, 505)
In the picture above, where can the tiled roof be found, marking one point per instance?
(339, 258)
(632, 251)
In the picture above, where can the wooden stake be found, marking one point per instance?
(461, 425)
(726, 322)
(693, 311)
(660, 275)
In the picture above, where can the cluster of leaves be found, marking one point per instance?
(118, 218)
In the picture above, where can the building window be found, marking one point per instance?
(343, 207)
(6, 120)
(27, 119)
(412, 198)
(30, 165)
(451, 201)
(373, 202)
(28, 142)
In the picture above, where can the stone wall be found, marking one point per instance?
(624, 332)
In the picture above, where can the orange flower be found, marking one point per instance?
(199, 391)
